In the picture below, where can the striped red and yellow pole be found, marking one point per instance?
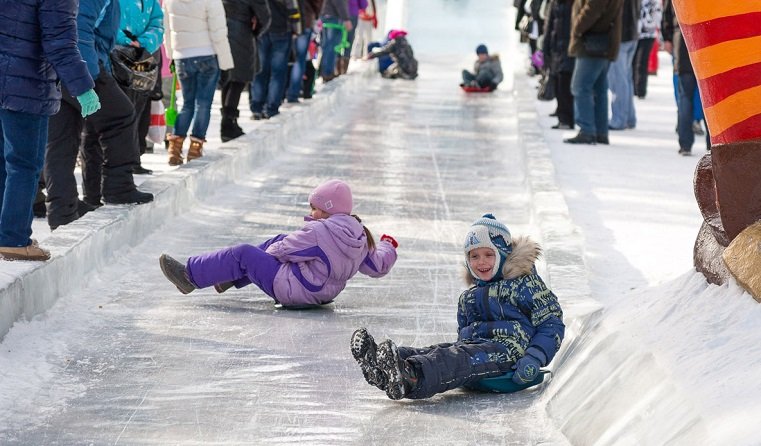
(724, 40)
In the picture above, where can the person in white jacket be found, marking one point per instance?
(196, 39)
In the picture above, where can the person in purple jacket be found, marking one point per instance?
(304, 268)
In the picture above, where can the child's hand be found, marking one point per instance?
(527, 368)
(388, 238)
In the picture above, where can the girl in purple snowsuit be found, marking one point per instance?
(306, 267)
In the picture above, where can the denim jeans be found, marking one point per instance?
(589, 86)
(198, 78)
(268, 87)
(688, 84)
(330, 38)
(297, 71)
(621, 83)
(22, 147)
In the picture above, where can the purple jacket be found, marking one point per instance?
(355, 6)
(322, 256)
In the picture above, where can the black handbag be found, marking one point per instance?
(596, 44)
(546, 90)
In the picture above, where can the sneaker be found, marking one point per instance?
(176, 273)
(582, 138)
(400, 376)
(363, 349)
(697, 128)
(132, 197)
(224, 286)
(33, 252)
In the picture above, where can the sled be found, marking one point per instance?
(471, 89)
(504, 383)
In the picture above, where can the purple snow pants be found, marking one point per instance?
(242, 265)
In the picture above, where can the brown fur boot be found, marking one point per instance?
(196, 148)
(175, 149)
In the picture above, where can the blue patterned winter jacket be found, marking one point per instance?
(518, 311)
(145, 20)
(37, 48)
(97, 23)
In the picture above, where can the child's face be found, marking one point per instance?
(481, 261)
(317, 214)
(482, 57)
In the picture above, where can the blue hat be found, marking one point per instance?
(481, 49)
(488, 232)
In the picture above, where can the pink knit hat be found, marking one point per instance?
(333, 197)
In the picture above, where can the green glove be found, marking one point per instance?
(89, 102)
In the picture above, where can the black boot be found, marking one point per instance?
(119, 187)
(363, 349)
(401, 378)
(582, 138)
(230, 128)
(132, 197)
(224, 286)
(176, 273)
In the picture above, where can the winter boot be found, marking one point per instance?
(363, 348)
(175, 149)
(176, 273)
(224, 286)
(196, 148)
(32, 252)
(401, 378)
(230, 128)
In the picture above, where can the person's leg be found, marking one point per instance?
(232, 264)
(92, 166)
(281, 49)
(617, 83)
(330, 38)
(467, 77)
(261, 81)
(585, 73)
(641, 61)
(186, 74)
(22, 147)
(628, 94)
(297, 72)
(600, 93)
(687, 86)
(115, 124)
(64, 131)
(564, 98)
(448, 366)
(206, 83)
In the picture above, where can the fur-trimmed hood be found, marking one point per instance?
(518, 263)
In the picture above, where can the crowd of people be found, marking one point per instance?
(595, 54)
(109, 56)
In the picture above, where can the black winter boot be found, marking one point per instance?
(401, 378)
(176, 273)
(224, 286)
(363, 349)
(230, 128)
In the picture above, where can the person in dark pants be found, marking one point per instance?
(557, 34)
(309, 10)
(507, 320)
(38, 53)
(268, 86)
(649, 22)
(114, 124)
(247, 20)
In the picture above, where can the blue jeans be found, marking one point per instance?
(268, 87)
(621, 82)
(688, 101)
(297, 71)
(589, 86)
(22, 145)
(198, 78)
(330, 38)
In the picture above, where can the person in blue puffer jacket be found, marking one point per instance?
(37, 51)
(507, 320)
(97, 24)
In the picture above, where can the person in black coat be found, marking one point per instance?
(246, 21)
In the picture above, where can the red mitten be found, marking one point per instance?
(375, 22)
(388, 238)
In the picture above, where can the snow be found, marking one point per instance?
(105, 351)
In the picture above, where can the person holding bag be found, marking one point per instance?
(593, 23)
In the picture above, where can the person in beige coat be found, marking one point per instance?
(196, 39)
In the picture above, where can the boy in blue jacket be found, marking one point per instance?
(507, 320)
